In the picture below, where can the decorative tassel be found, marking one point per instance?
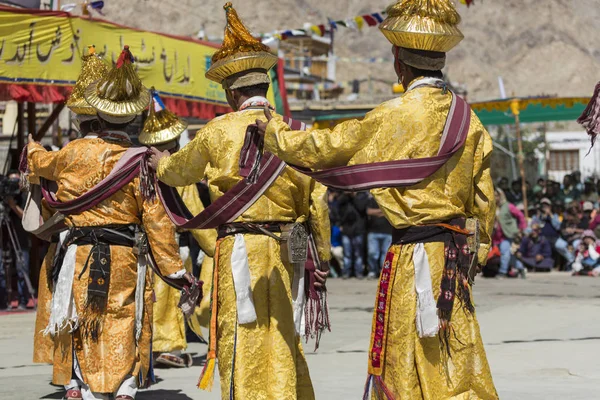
(24, 168)
(147, 179)
(380, 390)
(590, 119)
(207, 375)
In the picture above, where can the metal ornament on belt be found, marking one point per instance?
(295, 246)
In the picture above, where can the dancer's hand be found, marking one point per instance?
(156, 157)
(30, 138)
(261, 125)
(321, 275)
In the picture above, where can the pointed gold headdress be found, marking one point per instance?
(430, 25)
(242, 60)
(92, 69)
(119, 95)
(161, 126)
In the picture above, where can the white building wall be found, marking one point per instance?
(589, 160)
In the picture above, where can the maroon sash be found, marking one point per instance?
(130, 165)
(398, 173)
(124, 171)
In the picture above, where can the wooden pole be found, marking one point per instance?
(36, 244)
(522, 165)
(48, 123)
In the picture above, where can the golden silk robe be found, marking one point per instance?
(265, 357)
(106, 362)
(43, 345)
(410, 127)
(168, 321)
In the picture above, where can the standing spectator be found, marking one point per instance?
(576, 180)
(353, 219)
(21, 260)
(337, 250)
(535, 252)
(503, 184)
(539, 190)
(568, 192)
(515, 194)
(509, 221)
(588, 254)
(379, 237)
(589, 191)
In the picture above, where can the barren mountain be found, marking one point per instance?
(537, 46)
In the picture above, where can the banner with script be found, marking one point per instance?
(45, 48)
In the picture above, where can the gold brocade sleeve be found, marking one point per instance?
(206, 238)
(161, 234)
(188, 164)
(41, 163)
(319, 220)
(484, 205)
(322, 148)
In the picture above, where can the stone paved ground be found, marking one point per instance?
(542, 337)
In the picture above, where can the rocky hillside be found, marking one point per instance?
(537, 46)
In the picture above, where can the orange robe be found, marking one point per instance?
(76, 168)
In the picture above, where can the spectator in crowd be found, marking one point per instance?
(548, 220)
(588, 255)
(515, 194)
(568, 191)
(589, 191)
(379, 237)
(535, 252)
(539, 190)
(15, 204)
(503, 184)
(509, 221)
(337, 250)
(576, 180)
(353, 218)
(570, 235)
(586, 216)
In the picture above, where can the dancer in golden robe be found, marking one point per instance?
(86, 119)
(406, 358)
(162, 130)
(102, 303)
(257, 343)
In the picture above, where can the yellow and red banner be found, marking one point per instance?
(45, 48)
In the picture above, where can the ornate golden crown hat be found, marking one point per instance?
(430, 25)
(92, 69)
(161, 126)
(239, 53)
(119, 92)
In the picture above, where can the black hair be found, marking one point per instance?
(13, 172)
(426, 73)
(254, 90)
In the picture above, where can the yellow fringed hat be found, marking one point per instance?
(242, 60)
(119, 95)
(92, 69)
(429, 25)
(161, 126)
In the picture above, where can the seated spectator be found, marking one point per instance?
(503, 184)
(588, 255)
(586, 215)
(535, 252)
(548, 220)
(570, 235)
(490, 270)
(589, 191)
(509, 221)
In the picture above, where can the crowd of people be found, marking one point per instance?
(560, 232)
